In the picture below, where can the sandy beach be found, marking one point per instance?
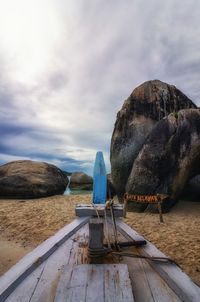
(26, 223)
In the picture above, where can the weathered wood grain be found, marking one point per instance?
(141, 288)
(61, 291)
(150, 281)
(176, 279)
(95, 273)
(72, 250)
(95, 283)
(41, 284)
(117, 283)
(78, 252)
(25, 290)
(96, 234)
(47, 284)
(147, 284)
(11, 280)
(159, 288)
(89, 210)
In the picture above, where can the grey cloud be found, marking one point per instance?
(58, 80)
(106, 50)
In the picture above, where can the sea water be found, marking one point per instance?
(69, 191)
(76, 192)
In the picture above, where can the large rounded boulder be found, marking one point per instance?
(30, 179)
(147, 104)
(192, 189)
(81, 181)
(169, 157)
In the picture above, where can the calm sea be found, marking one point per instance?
(76, 192)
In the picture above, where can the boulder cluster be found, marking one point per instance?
(155, 146)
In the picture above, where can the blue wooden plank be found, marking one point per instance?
(99, 179)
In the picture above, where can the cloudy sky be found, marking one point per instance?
(67, 66)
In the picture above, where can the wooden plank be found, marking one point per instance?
(46, 286)
(41, 287)
(117, 283)
(25, 290)
(95, 280)
(78, 253)
(89, 210)
(147, 285)
(70, 251)
(72, 284)
(141, 289)
(95, 283)
(159, 288)
(176, 279)
(10, 280)
(61, 291)
(160, 211)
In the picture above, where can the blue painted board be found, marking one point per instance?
(99, 179)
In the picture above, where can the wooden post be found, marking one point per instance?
(96, 236)
(160, 211)
(125, 208)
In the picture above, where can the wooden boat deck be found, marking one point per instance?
(35, 278)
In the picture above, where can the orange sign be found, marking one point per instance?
(143, 198)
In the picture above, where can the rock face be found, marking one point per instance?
(81, 181)
(192, 189)
(169, 157)
(30, 179)
(147, 104)
(110, 189)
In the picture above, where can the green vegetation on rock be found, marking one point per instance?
(67, 173)
(175, 114)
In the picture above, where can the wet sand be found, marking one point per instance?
(26, 223)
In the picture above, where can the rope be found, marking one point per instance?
(96, 212)
(106, 229)
(96, 253)
(114, 226)
(159, 259)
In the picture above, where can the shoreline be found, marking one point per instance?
(24, 224)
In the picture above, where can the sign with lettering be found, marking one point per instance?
(143, 198)
(158, 198)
